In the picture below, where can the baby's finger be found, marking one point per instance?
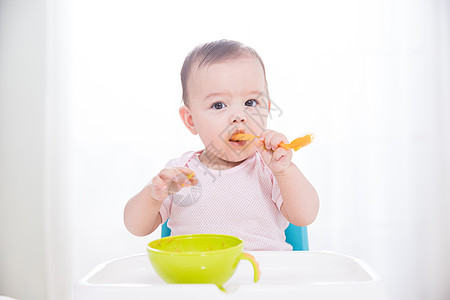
(172, 178)
(263, 134)
(259, 143)
(265, 153)
(277, 139)
(158, 189)
(186, 171)
(168, 173)
(266, 134)
(280, 153)
(177, 177)
(273, 139)
(174, 174)
(189, 178)
(181, 177)
(158, 183)
(265, 138)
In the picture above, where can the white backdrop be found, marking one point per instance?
(369, 78)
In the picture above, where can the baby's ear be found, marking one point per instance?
(186, 117)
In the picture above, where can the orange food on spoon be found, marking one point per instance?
(295, 144)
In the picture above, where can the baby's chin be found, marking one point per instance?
(228, 157)
(237, 157)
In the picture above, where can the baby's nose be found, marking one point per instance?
(239, 118)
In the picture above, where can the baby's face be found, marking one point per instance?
(226, 98)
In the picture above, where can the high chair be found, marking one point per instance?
(295, 235)
(318, 275)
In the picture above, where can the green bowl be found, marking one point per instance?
(198, 258)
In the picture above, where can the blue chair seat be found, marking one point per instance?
(295, 235)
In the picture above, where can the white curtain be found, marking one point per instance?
(370, 78)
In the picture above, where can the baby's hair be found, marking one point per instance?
(211, 53)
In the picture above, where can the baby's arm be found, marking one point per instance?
(300, 200)
(141, 214)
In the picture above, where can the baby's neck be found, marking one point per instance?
(216, 163)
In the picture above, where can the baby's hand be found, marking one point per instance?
(171, 180)
(277, 158)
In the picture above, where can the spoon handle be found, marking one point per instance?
(295, 144)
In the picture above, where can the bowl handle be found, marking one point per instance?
(256, 269)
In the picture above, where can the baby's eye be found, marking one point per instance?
(218, 105)
(251, 102)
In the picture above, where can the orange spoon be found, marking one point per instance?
(295, 144)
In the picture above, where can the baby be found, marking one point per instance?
(249, 189)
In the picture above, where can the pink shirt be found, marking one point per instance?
(243, 201)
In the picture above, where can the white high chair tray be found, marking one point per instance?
(304, 274)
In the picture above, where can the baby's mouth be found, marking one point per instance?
(234, 137)
(237, 142)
